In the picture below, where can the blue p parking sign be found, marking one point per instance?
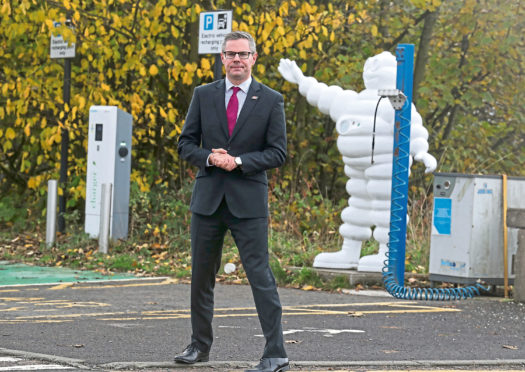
(208, 22)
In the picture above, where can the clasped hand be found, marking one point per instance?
(220, 158)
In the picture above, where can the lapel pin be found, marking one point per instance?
(255, 97)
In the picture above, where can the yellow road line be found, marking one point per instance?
(219, 313)
(153, 312)
(57, 304)
(87, 315)
(15, 321)
(61, 286)
(12, 309)
(387, 303)
(104, 286)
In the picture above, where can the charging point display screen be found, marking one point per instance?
(98, 132)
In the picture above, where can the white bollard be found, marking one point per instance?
(51, 216)
(105, 217)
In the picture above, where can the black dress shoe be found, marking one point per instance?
(271, 365)
(192, 355)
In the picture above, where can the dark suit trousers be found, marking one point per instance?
(251, 238)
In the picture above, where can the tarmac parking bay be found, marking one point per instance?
(43, 306)
(148, 321)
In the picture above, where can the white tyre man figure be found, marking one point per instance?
(367, 156)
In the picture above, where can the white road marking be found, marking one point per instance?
(9, 359)
(35, 367)
(327, 332)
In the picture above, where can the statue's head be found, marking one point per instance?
(380, 71)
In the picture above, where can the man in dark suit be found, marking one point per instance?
(234, 131)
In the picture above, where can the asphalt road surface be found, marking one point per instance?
(144, 323)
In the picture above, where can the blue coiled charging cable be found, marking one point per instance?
(398, 226)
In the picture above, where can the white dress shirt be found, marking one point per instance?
(241, 97)
(241, 94)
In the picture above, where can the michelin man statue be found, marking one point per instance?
(368, 167)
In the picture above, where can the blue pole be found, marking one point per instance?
(400, 166)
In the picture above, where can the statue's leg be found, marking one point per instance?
(379, 188)
(348, 256)
(376, 262)
(354, 230)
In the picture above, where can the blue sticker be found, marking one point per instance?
(443, 215)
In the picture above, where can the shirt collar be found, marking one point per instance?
(244, 86)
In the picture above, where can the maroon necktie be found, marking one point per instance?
(232, 109)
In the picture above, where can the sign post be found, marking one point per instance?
(59, 48)
(213, 26)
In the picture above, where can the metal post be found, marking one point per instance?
(519, 279)
(105, 217)
(505, 239)
(64, 150)
(217, 67)
(400, 166)
(51, 212)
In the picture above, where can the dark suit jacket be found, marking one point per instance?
(259, 138)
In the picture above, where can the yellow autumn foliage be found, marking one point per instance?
(142, 56)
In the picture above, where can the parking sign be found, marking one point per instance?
(213, 26)
(208, 22)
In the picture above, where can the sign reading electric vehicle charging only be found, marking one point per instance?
(59, 47)
(213, 26)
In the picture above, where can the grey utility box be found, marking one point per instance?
(467, 228)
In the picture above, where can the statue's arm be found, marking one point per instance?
(290, 71)
(419, 142)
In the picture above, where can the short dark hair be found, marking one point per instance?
(236, 35)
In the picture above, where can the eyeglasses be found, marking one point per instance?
(242, 55)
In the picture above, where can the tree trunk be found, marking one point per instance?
(382, 24)
(422, 51)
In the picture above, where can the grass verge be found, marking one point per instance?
(301, 226)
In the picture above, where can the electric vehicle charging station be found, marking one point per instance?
(109, 162)
(394, 270)
(467, 228)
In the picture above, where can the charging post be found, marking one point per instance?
(394, 270)
(109, 163)
(400, 166)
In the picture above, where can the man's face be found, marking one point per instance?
(238, 70)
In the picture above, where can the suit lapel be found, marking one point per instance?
(251, 101)
(220, 107)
